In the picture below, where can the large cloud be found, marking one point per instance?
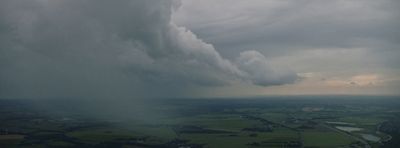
(63, 48)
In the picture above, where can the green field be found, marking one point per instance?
(207, 124)
(326, 139)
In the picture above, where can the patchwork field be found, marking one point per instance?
(209, 124)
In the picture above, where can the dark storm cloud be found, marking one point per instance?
(126, 48)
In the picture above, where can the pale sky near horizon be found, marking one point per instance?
(198, 48)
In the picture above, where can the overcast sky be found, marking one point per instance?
(198, 48)
(337, 47)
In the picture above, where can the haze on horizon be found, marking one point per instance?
(192, 48)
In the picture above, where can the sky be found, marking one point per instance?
(191, 48)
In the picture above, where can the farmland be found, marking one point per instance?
(239, 122)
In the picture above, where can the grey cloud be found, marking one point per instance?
(276, 27)
(260, 72)
(340, 38)
(53, 48)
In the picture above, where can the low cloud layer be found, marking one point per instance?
(62, 48)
